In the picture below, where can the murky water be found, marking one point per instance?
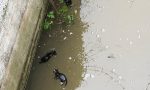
(68, 43)
(113, 53)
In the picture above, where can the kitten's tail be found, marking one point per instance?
(66, 82)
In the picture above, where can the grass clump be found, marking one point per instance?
(49, 20)
(62, 15)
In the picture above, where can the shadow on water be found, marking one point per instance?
(68, 43)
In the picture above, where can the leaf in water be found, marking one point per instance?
(63, 10)
(70, 18)
(51, 15)
(46, 25)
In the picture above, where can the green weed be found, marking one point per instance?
(63, 14)
(48, 23)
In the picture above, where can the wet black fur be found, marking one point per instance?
(68, 2)
(58, 76)
(48, 55)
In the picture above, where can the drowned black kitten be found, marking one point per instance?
(48, 55)
(60, 76)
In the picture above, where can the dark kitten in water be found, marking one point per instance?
(60, 76)
(48, 55)
(68, 2)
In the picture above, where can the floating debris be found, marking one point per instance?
(65, 38)
(75, 11)
(71, 33)
(70, 58)
(39, 46)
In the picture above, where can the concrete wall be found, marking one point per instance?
(19, 31)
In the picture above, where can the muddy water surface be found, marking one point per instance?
(112, 52)
(68, 43)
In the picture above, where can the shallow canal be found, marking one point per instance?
(110, 51)
(68, 43)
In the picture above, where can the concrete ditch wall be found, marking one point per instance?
(19, 32)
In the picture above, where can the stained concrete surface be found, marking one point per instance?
(20, 23)
(116, 43)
